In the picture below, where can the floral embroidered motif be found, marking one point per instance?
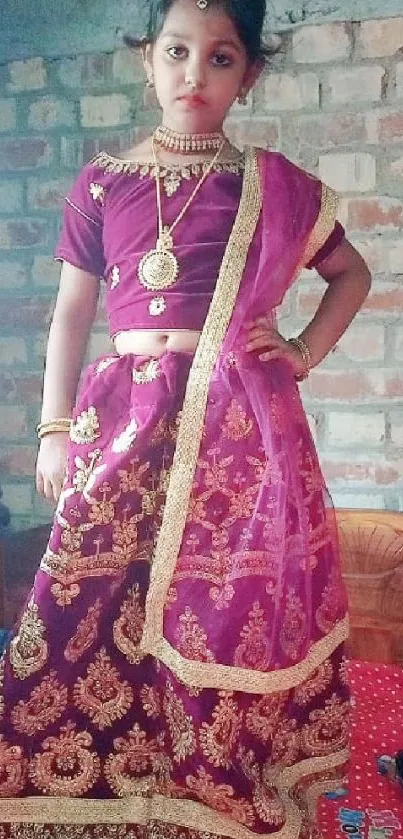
(157, 306)
(64, 595)
(85, 428)
(115, 277)
(315, 685)
(293, 633)
(66, 767)
(264, 715)
(97, 192)
(28, 650)
(268, 805)
(236, 425)
(128, 628)
(151, 701)
(135, 755)
(13, 768)
(105, 363)
(254, 649)
(148, 372)
(220, 797)
(327, 613)
(102, 695)
(125, 440)
(327, 731)
(285, 744)
(44, 706)
(180, 725)
(85, 634)
(192, 638)
(219, 739)
(84, 478)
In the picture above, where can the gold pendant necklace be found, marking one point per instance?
(159, 268)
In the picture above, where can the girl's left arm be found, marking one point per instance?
(349, 281)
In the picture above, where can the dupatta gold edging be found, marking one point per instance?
(324, 223)
(194, 406)
(185, 813)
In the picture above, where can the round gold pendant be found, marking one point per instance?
(159, 268)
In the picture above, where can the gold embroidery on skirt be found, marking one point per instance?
(66, 767)
(135, 755)
(151, 701)
(44, 706)
(316, 684)
(293, 633)
(85, 428)
(254, 650)
(327, 729)
(220, 797)
(265, 714)
(237, 426)
(85, 634)
(266, 800)
(102, 695)
(128, 627)
(192, 637)
(13, 767)
(326, 613)
(147, 372)
(28, 650)
(179, 724)
(219, 739)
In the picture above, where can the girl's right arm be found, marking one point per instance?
(68, 337)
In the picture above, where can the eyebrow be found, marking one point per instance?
(220, 42)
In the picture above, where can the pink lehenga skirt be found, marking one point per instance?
(99, 739)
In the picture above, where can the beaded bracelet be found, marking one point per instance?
(52, 426)
(306, 357)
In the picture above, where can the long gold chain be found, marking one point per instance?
(169, 230)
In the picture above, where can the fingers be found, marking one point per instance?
(50, 487)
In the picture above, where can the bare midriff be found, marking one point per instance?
(155, 343)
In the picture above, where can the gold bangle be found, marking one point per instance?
(50, 426)
(306, 357)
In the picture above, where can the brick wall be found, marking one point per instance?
(332, 100)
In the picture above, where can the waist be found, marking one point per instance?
(155, 342)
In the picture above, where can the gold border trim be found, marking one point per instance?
(181, 812)
(225, 677)
(194, 406)
(324, 223)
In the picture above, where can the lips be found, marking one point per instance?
(194, 100)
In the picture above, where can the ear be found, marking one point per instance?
(147, 56)
(252, 74)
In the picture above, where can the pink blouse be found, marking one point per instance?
(110, 222)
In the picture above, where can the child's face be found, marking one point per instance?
(201, 47)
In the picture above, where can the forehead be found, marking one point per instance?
(186, 19)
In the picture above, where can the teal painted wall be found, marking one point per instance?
(41, 27)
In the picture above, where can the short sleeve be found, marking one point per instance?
(80, 241)
(330, 246)
(324, 226)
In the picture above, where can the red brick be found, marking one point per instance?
(354, 429)
(317, 44)
(390, 127)
(23, 233)
(289, 92)
(23, 388)
(127, 67)
(362, 342)
(97, 111)
(30, 74)
(379, 37)
(384, 298)
(331, 130)
(47, 195)
(13, 351)
(376, 471)
(27, 312)
(12, 275)
(11, 196)
(83, 70)
(24, 153)
(13, 422)
(349, 171)
(8, 114)
(372, 213)
(51, 112)
(18, 461)
(264, 133)
(356, 385)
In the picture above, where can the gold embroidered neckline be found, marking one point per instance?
(171, 174)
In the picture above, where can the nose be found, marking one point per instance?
(195, 78)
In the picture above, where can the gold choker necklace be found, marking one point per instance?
(187, 143)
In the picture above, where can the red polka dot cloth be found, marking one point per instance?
(371, 807)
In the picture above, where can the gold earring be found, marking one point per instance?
(242, 98)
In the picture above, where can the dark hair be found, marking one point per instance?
(246, 15)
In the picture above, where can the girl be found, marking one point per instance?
(178, 669)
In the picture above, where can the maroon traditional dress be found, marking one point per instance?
(178, 669)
